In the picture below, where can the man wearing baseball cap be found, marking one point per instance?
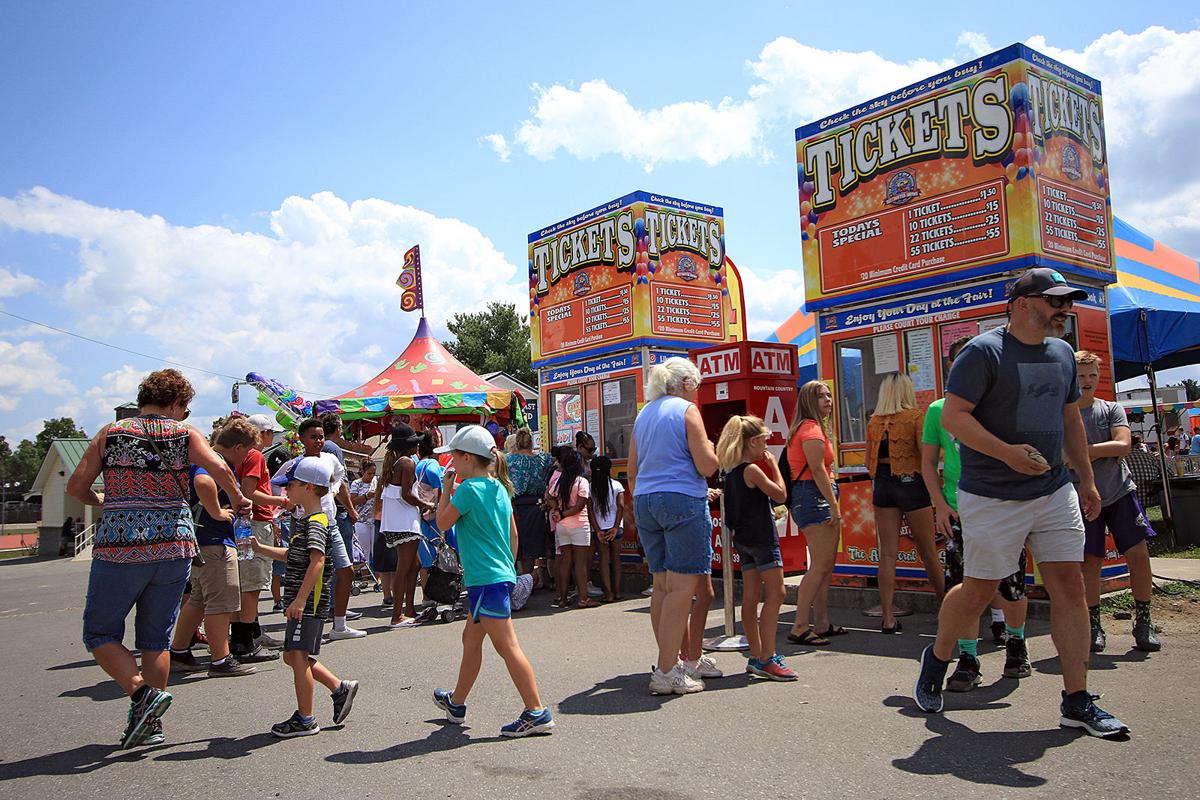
(1012, 404)
(247, 640)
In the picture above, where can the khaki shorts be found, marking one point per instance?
(215, 585)
(995, 531)
(255, 574)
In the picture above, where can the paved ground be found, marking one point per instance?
(847, 729)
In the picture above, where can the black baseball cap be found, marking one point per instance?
(1041, 280)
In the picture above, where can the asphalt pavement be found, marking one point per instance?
(847, 729)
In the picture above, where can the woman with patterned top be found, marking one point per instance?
(530, 473)
(145, 541)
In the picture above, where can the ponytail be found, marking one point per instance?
(500, 470)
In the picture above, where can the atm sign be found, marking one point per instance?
(764, 360)
(719, 363)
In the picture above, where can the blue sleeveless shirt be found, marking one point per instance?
(664, 462)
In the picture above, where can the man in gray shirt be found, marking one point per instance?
(1011, 402)
(1121, 514)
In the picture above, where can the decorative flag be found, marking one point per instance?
(409, 281)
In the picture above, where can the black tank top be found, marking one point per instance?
(748, 510)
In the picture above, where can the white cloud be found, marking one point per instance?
(313, 303)
(27, 368)
(13, 284)
(771, 298)
(499, 145)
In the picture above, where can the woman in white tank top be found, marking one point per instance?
(400, 515)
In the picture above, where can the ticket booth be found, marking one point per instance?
(760, 379)
(918, 210)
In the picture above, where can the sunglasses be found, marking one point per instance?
(1056, 300)
(187, 412)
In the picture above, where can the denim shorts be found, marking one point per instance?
(905, 492)
(759, 557)
(808, 504)
(153, 588)
(675, 531)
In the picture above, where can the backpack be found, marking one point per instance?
(444, 583)
(785, 472)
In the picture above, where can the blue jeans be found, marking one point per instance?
(675, 531)
(154, 588)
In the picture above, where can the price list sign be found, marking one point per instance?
(1073, 222)
(691, 311)
(932, 233)
(600, 316)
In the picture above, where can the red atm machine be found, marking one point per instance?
(757, 378)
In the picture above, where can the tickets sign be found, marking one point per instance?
(991, 166)
(641, 270)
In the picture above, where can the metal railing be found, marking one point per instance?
(84, 539)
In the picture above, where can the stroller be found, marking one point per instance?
(444, 586)
(364, 578)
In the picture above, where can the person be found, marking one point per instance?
(400, 521)
(312, 439)
(585, 448)
(306, 593)
(362, 497)
(530, 475)
(282, 523)
(1108, 441)
(216, 595)
(480, 509)
(248, 642)
(346, 518)
(145, 540)
(572, 531)
(898, 492)
(1010, 606)
(670, 458)
(813, 505)
(428, 487)
(1145, 470)
(1012, 403)
(749, 490)
(66, 542)
(1194, 448)
(606, 513)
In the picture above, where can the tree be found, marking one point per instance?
(1192, 387)
(495, 340)
(21, 465)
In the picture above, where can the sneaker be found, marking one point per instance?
(677, 681)
(278, 607)
(757, 668)
(295, 726)
(705, 667)
(185, 662)
(776, 670)
(592, 591)
(649, 590)
(254, 655)
(928, 689)
(529, 723)
(232, 668)
(154, 733)
(199, 639)
(455, 712)
(1099, 639)
(268, 641)
(1144, 638)
(343, 699)
(1079, 710)
(353, 615)
(387, 604)
(999, 633)
(346, 633)
(1016, 660)
(153, 705)
(967, 674)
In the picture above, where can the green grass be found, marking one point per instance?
(1159, 545)
(1168, 591)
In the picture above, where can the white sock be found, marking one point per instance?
(339, 623)
(218, 662)
(997, 615)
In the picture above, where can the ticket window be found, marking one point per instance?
(566, 415)
(606, 409)
(862, 364)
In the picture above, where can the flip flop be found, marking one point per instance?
(809, 638)
(588, 603)
(834, 630)
(894, 629)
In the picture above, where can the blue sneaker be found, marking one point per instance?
(757, 668)
(530, 722)
(1079, 710)
(455, 712)
(153, 705)
(928, 691)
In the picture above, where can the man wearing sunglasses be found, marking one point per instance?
(1012, 403)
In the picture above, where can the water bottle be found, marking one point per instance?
(242, 534)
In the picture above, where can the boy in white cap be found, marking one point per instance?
(307, 594)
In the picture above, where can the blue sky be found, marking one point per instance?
(206, 171)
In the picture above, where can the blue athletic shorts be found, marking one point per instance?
(490, 600)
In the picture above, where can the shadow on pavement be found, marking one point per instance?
(107, 689)
(72, 665)
(445, 737)
(1096, 662)
(225, 747)
(627, 694)
(91, 757)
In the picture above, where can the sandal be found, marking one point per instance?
(587, 603)
(894, 629)
(809, 638)
(558, 603)
(834, 630)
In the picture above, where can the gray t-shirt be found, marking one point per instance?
(1019, 391)
(1113, 478)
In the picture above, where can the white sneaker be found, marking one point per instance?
(353, 614)
(649, 590)
(703, 667)
(346, 633)
(677, 681)
(593, 591)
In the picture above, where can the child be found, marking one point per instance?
(749, 491)
(480, 508)
(607, 514)
(572, 530)
(307, 596)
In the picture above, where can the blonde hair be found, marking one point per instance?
(1086, 357)
(808, 406)
(738, 431)
(497, 468)
(674, 376)
(238, 430)
(523, 439)
(895, 395)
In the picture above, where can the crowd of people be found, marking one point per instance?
(1019, 454)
